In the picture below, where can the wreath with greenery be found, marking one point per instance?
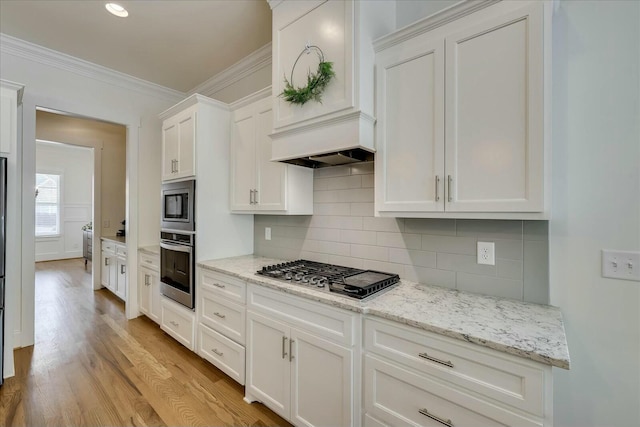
(316, 82)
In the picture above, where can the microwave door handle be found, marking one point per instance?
(177, 248)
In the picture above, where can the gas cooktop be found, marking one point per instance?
(352, 282)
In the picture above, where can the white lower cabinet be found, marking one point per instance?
(295, 371)
(414, 377)
(221, 322)
(113, 268)
(179, 322)
(149, 286)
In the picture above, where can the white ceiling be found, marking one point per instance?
(177, 44)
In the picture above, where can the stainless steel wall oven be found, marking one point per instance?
(177, 267)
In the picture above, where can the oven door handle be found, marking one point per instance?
(177, 248)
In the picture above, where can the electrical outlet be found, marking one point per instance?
(487, 253)
(267, 233)
(106, 223)
(621, 265)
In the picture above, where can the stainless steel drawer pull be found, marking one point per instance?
(146, 280)
(122, 269)
(222, 316)
(219, 353)
(106, 261)
(433, 359)
(255, 197)
(291, 350)
(426, 413)
(449, 179)
(148, 261)
(218, 285)
(284, 346)
(437, 188)
(174, 323)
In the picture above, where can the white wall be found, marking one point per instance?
(408, 11)
(75, 165)
(66, 84)
(596, 184)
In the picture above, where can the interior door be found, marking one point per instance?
(268, 367)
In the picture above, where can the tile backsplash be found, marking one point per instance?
(441, 252)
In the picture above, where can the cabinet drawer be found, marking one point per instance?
(225, 354)
(487, 372)
(149, 261)
(108, 246)
(222, 315)
(229, 287)
(121, 251)
(321, 319)
(179, 322)
(397, 396)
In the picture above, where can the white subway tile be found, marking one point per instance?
(367, 181)
(430, 276)
(489, 229)
(442, 227)
(344, 182)
(314, 256)
(332, 171)
(509, 269)
(362, 209)
(332, 209)
(377, 253)
(465, 263)
(328, 234)
(410, 257)
(362, 168)
(355, 195)
(385, 267)
(328, 196)
(358, 236)
(496, 286)
(383, 224)
(346, 261)
(449, 244)
(399, 240)
(322, 246)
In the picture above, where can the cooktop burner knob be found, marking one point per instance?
(322, 281)
(298, 277)
(305, 279)
(288, 276)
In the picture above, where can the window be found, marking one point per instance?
(47, 204)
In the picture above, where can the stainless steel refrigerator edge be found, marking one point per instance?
(3, 211)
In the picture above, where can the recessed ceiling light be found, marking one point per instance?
(117, 10)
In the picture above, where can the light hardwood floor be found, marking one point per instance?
(92, 367)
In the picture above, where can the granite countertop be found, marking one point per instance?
(527, 330)
(150, 250)
(117, 239)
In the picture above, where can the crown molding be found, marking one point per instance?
(250, 99)
(13, 46)
(191, 101)
(431, 22)
(245, 67)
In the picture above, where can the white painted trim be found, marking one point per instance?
(190, 102)
(248, 65)
(33, 52)
(436, 20)
(250, 99)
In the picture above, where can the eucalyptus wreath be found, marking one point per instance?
(316, 82)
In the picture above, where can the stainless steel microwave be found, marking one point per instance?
(178, 206)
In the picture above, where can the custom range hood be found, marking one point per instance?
(339, 129)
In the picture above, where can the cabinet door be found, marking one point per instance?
(105, 269)
(321, 382)
(243, 159)
(494, 110)
(121, 279)
(144, 287)
(410, 127)
(169, 149)
(155, 310)
(271, 176)
(268, 376)
(186, 144)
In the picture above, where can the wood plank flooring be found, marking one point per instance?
(92, 367)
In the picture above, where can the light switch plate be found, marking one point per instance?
(621, 265)
(487, 253)
(267, 233)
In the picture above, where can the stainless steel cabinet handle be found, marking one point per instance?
(177, 163)
(433, 359)
(174, 323)
(222, 316)
(106, 261)
(148, 261)
(219, 353)
(173, 166)
(291, 350)
(250, 197)
(255, 197)
(284, 345)
(449, 179)
(218, 285)
(437, 188)
(122, 269)
(426, 413)
(146, 280)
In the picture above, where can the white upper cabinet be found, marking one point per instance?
(343, 30)
(258, 185)
(178, 145)
(10, 98)
(461, 127)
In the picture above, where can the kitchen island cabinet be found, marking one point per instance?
(461, 126)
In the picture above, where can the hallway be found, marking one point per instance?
(90, 367)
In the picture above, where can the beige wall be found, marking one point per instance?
(74, 130)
